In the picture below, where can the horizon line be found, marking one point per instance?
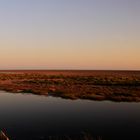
(69, 70)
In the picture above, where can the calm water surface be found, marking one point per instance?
(31, 117)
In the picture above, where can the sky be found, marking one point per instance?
(70, 34)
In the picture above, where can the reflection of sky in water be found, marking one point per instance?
(31, 115)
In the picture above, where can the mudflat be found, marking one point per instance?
(74, 84)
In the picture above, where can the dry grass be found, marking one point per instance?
(94, 85)
(83, 136)
(3, 136)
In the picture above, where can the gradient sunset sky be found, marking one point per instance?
(70, 34)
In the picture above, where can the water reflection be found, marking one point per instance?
(30, 117)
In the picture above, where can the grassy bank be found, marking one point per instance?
(93, 85)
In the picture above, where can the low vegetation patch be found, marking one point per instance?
(93, 85)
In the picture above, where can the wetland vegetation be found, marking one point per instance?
(93, 85)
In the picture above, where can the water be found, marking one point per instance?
(32, 117)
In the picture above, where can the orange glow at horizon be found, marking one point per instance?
(72, 34)
(101, 54)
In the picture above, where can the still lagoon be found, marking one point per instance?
(34, 117)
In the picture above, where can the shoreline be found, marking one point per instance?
(119, 86)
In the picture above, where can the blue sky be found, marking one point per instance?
(69, 34)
